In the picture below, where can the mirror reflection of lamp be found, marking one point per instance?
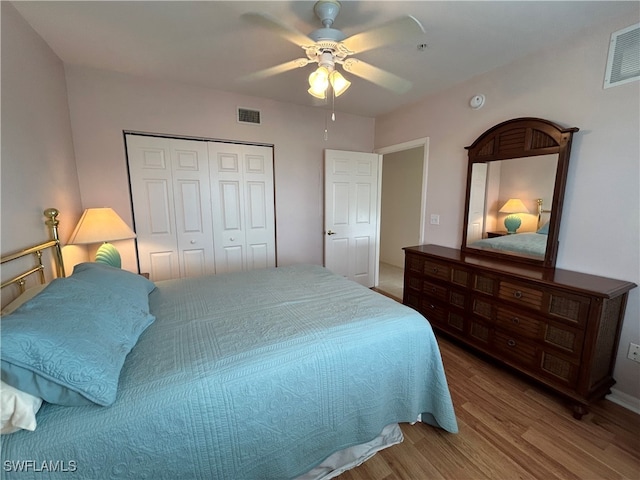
(102, 225)
(513, 207)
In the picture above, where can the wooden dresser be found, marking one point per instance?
(558, 327)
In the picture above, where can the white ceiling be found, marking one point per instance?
(209, 44)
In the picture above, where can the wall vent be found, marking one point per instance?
(623, 63)
(246, 115)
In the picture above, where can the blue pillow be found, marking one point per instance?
(68, 344)
(544, 229)
(131, 286)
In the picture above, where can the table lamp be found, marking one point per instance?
(513, 207)
(102, 225)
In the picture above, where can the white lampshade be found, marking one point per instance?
(319, 81)
(514, 205)
(338, 83)
(100, 225)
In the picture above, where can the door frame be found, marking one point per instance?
(399, 147)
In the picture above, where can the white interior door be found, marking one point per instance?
(351, 214)
(242, 196)
(476, 226)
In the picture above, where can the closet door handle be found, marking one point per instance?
(331, 232)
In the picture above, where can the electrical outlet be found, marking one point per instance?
(435, 219)
(634, 352)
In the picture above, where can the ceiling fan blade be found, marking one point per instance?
(283, 67)
(377, 75)
(394, 31)
(276, 26)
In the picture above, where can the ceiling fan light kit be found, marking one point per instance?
(329, 47)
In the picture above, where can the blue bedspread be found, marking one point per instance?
(259, 375)
(528, 243)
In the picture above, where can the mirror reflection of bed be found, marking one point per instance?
(495, 185)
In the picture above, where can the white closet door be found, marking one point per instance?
(242, 199)
(192, 197)
(171, 198)
(259, 207)
(153, 205)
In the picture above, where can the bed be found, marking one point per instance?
(532, 244)
(289, 372)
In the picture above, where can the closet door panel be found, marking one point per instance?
(227, 206)
(153, 205)
(194, 228)
(260, 201)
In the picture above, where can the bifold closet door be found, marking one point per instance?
(242, 195)
(171, 204)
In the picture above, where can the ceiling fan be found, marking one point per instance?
(329, 47)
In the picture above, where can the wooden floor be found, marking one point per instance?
(510, 429)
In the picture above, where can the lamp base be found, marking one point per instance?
(512, 223)
(108, 254)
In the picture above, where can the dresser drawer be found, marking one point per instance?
(569, 307)
(414, 263)
(559, 368)
(521, 294)
(565, 338)
(482, 308)
(519, 324)
(515, 348)
(412, 282)
(484, 284)
(437, 270)
(433, 311)
(435, 290)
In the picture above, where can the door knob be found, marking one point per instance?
(193, 242)
(329, 232)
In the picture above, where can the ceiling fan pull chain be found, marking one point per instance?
(326, 129)
(333, 105)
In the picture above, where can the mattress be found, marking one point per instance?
(255, 375)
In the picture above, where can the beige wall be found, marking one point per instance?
(38, 167)
(600, 224)
(103, 104)
(401, 203)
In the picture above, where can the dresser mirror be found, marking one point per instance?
(516, 179)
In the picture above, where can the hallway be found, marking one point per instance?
(391, 280)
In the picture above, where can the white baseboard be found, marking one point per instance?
(625, 400)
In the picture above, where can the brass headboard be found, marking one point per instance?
(36, 250)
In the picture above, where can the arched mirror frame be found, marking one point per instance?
(518, 138)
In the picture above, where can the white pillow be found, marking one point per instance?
(23, 298)
(17, 409)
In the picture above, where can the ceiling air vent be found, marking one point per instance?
(246, 115)
(623, 64)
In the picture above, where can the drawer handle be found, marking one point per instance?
(435, 269)
(511, 343)
(434, 289)
(515, 320)
(517, 294)
(432, 306)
